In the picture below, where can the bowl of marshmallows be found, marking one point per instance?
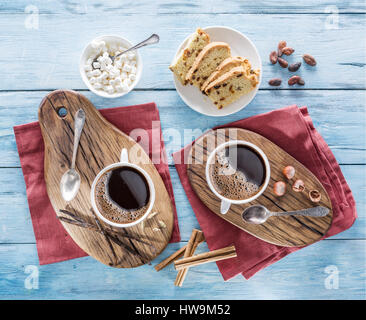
(104, 77)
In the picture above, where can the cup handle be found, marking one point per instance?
(124, 155)
(225, 206)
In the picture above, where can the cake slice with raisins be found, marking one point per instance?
(224, 67)
(183, 62)
(206, 62)
(231, 86)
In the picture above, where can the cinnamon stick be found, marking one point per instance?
(206, 257)
(177, 254)
(195, 239)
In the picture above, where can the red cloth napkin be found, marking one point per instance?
(53, 243)
(292, 129)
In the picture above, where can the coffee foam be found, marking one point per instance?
(230, 182)
(109, 209)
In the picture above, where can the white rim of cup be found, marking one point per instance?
(245, 143)
(102, 93)
(151, 189)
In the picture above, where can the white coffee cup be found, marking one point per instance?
(124, 163)
(226, 202)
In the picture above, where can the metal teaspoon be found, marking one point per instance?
(70, 181)
(258, 214)
(154, 38)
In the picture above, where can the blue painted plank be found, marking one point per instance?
(51, 53)
(16, 227)
(301, 275)
(198, 7)
(338, 115)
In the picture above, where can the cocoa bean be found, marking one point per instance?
(282, 44)
(283, 63)
(294, 67)
(309, 60)
(288, 51)
(275, 82)
(301, 82)
(293, 80)
(273, 57)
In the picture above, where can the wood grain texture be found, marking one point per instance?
(290, 231)
(16, 225)
(306, 33)
(100, 145)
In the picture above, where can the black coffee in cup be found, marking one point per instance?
(122, 194)
(237, 172)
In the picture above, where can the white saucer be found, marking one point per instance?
(240, 46)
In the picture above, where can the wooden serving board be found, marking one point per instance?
(291, 231)
(100, 145)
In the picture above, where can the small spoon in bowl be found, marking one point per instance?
(154, 38)
(258, 214)
(70, 181)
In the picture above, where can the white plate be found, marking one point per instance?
(240, 46)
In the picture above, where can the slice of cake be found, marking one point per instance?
(231, 86)
(224, 67)
(206, 62)
(183, 62)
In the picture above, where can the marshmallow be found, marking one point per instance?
(130, 55)
(119, 88)
(124, 87)
(126, 67)
(107, 76)
(97, 85)
(96, 73)
(127, 82)
(96, 44)
(109, 89)
(114, 72)
(96, 65)
(118, 81)
(123, 58)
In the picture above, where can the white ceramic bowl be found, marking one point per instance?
(87, 53)
(240, 46)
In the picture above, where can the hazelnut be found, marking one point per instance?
(279, 188)
(298, 186)
(315, 195)
(289, 172)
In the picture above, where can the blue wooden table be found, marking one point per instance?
(40, 45)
